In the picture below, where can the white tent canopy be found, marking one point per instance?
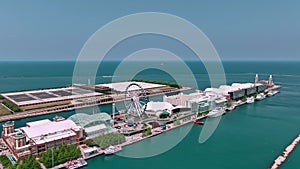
(158, 106)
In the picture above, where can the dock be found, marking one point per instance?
(274, 87)
(284, 155)
(155, 132)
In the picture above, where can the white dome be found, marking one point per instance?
(158, 106)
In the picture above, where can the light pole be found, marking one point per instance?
(52, 157)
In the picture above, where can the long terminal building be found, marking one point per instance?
(77, 95)
(216, 97)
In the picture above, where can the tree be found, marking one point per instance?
(5, 161)
(106, 140)
(29, 163)
(147, 132)
(60, 154)
(229, 103)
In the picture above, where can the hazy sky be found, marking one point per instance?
(57, 29)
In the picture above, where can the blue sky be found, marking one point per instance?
(239, 30)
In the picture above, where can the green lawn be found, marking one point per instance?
(3, 110)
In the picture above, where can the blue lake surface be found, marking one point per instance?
(251, 136)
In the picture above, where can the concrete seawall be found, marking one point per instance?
(281, 158)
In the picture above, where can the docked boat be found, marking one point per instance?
(74, 164)
(112, 150)
(198, 122)
(260, 96)
(216, 112)
(272, 92)
(250, 100)
(230, 108)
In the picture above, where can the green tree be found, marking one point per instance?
(60, 155)
(106, 140)
(5, 161)
(29, 163)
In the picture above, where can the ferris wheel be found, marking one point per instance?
(136, 100)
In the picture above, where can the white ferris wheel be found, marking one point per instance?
(136, 100)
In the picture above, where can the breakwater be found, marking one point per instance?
(287, 151)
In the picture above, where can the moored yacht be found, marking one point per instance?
(250, 100)
(216, 112)
(112, 150)
(74, 164)
(260, 96)
(272, 92)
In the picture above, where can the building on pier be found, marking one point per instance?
(158, 108)
(35, 99)
(183, 99)
(207, 102)
(40, 136)
(216, 97)
(94, 124)
(78, 95)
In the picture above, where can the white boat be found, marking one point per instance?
(272, 92)
(250, 100)
(112, 149)
(74, 164)
(260, 96)
(231, 108)
(216, 112)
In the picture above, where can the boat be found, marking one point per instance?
(250, 100)
(260, 96)
(272, 92)
(216, 112)
(74, 164)
(71, 108)
(198, 122)
(230, 108)
(112, 150)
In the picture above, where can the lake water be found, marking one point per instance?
(251, 136)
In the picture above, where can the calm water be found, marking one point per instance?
(251, 136)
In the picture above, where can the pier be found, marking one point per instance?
(237, 94)
(137, 138)
(273, 87)
(281, 158)
(93, 101)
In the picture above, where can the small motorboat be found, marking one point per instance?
(198, 122)
(112, 150)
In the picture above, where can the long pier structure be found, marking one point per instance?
(236, 94)
(88, 102)
(284, 155)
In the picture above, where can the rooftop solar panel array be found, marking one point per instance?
(21, 97)
(62, 93)
(50, 95)
(81, 91)
(43, 95)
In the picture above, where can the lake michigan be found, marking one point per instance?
(249, 137)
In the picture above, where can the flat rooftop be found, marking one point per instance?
(48, 95)
(225, 89)
(45, 130)
(121, 86)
